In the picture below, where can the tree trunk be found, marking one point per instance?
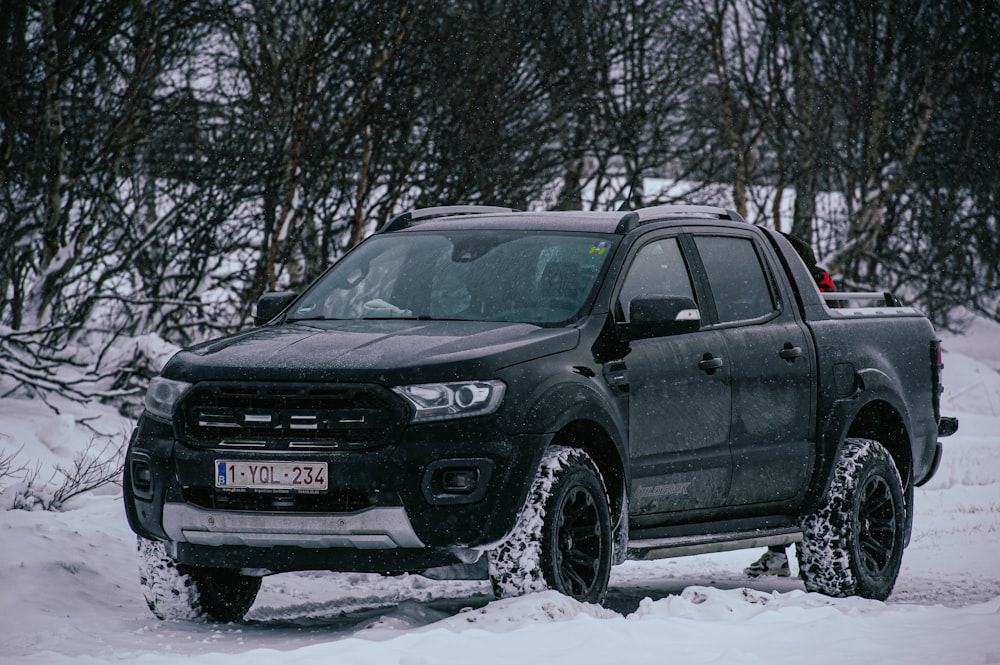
(804, 78)
(52, 202)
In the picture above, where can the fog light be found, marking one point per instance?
(459, 481)
(142, 479)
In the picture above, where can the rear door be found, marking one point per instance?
(679, 396)
(771, 363)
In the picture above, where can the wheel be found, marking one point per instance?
(225, 595)
(562, 538)
(169, 593)
(619, 535)
(178, 592)
(908, 502)
(853, 543)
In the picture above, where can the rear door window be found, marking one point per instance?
(739, 282)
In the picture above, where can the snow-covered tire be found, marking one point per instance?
(853, 543)
(180, 593)
(619, 535)
(170, 594)
(562, 539)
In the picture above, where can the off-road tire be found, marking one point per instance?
(562, 539)
(619, 536)
(853, 543)
(175, 592)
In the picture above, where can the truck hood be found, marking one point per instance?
(391, 352)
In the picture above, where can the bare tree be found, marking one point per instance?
(891, 79)
(736, 102)
(84, 202)
(937, 242)
(801, 116)
(163, 163)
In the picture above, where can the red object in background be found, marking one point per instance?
(824, 281)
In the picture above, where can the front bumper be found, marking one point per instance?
(384, 510)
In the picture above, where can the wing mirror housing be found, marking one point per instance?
(271, 305)
(661, 316)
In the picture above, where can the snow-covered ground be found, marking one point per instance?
(69, 587)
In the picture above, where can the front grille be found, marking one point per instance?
(290, 416)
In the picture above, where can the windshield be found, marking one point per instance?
(515, 276)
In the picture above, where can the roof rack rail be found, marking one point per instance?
(882, 298)
(404, 220)
(636, 218)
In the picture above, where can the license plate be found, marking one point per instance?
(301, 476)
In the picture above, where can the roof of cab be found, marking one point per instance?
(620, 222)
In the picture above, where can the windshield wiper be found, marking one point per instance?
(422, 317)
(312, 318)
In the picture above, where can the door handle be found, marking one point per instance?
(790, 352)
(710, 363)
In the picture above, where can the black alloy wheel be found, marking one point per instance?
(580, 537)
(876, 526)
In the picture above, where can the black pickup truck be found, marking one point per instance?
(544, 394)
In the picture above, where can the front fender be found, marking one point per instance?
(577, 403)
(565, 403)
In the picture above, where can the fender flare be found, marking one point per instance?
(871, 386)
(559, 407)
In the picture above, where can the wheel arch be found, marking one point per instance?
(875, 410)
(582, 415)
(881, 421)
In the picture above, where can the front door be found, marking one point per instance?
(679, 397)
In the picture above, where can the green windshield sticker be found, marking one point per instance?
(599, 247)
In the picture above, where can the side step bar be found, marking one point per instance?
(663, 548)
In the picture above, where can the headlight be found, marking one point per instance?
(162, 395)
(440, 401)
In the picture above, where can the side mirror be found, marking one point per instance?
(660, 316)
(271, 305)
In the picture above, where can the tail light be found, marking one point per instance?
(937, 364)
